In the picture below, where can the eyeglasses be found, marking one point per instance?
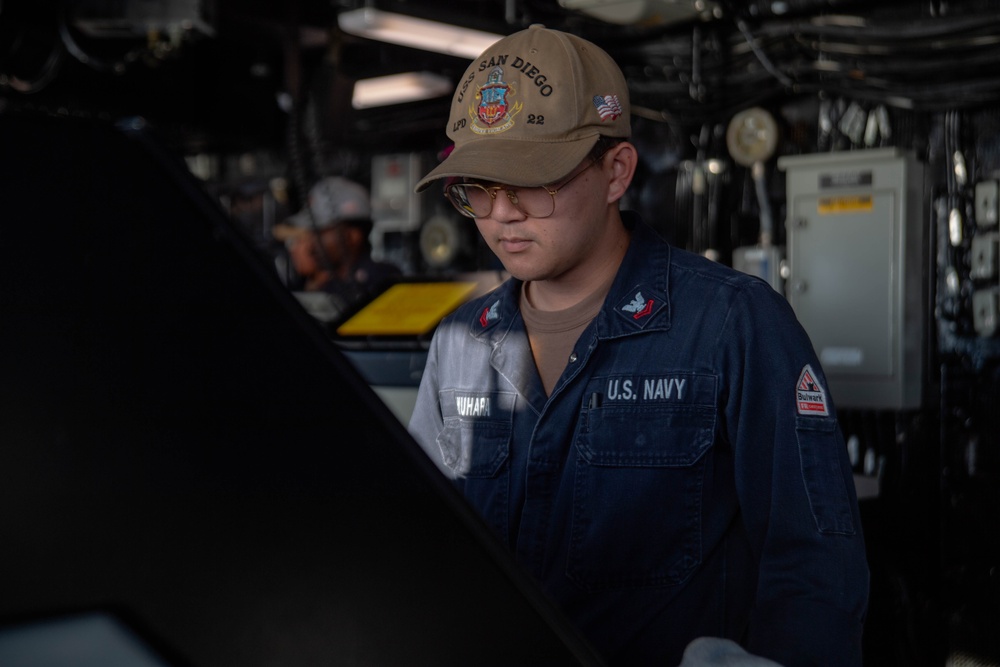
(474, 200)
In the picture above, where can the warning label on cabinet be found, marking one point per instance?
(845, 204)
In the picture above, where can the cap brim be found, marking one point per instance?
(294, 226)
(300, 224)
(524, 163)
(285, 232)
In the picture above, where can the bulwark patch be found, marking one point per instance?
(810, 397)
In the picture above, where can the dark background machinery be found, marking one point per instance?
(848, 152)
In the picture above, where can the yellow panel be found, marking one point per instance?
(407, 309)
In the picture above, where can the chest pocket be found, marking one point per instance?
(640, 468)
(475, 440)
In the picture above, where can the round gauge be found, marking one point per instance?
(439, 242)
(752, 136)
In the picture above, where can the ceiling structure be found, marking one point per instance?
(225, 73)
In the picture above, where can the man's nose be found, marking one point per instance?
(504, 209)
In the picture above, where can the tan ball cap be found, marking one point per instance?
(531, 107)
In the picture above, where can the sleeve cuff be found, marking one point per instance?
(805, 632)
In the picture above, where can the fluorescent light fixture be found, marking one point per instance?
(398, 88)
(415, 32)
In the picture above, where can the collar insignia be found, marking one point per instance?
(490, 314)
(639, 306)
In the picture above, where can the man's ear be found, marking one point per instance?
(622, 161)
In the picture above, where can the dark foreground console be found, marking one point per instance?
(186, 458)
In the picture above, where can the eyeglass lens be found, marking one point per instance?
(475, 200)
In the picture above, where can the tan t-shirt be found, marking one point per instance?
(553, 333)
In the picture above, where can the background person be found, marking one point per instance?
(330, 248)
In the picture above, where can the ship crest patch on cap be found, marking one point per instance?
(495, 111)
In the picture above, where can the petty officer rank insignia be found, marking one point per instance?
(489, 314)
(810, 397)
(640, 306)
(494, 112)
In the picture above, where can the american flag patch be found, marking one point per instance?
(608, 106)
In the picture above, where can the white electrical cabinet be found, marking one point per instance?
(856, 244)
(395, 206)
